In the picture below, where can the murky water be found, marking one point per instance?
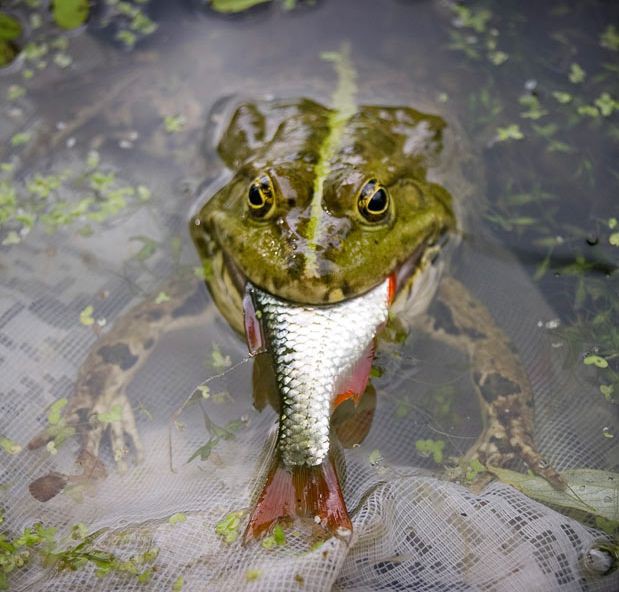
(104, 156)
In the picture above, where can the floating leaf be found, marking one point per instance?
(594, 360)
(613, 239)
(70, 14)
(589, 490)
(230, 6)
(161, 298)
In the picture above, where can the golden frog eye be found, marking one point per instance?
(261, 197)
(374, 201)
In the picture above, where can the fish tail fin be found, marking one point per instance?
(299, 491)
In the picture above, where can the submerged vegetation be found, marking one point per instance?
(565, 113)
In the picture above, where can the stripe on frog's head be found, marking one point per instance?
(343, 109)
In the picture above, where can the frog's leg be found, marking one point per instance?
(113, 362)
(458, 319)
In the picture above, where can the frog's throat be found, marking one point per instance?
(344, 107)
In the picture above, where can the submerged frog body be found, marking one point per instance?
(324, 206)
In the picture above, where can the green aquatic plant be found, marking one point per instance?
(70, 14)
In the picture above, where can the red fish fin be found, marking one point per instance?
(253, 328)
(352, 423)
(299, 492)
(353, 385)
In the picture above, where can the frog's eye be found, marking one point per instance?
(260, 197)
(374, 201)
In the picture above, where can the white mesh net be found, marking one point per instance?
(411, 530)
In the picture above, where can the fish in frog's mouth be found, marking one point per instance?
(322, 356)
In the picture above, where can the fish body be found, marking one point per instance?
(321, 356)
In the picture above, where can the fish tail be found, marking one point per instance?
(300, 491)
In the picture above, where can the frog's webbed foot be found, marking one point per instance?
(506, 398)
(112, 417)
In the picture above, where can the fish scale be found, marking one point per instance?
(314, 348)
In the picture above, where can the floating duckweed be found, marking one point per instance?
(534, 110)
(613, 239)
(562, 97)
(177, 518)
(218, 360)
(54, 415)
(606, 104)
(511, 132)
(174, 123)
(9, 446)
(161, 298)
(20, 138)
(228, 527)
(498, 57)
(610, 38)
(63, 60)
(14, 92)
(177, 586)
(375, 457)
(276, 539)
(607, 390)
(576, 74)
(471, 18)
(86, 316)
(473, 468)
(588, 110)
(432, 448)
(251, 575)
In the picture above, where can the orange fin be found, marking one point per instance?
(299, 491)
(352, 423)
(353, 385)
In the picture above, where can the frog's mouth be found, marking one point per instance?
(228, 283)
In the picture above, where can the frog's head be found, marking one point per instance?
(320, 210)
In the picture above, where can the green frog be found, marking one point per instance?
(323, 204)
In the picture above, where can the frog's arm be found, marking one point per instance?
(457, 318)
(112, 363)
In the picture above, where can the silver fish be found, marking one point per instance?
(317, 352)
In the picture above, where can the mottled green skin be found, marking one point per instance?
(349, 255)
